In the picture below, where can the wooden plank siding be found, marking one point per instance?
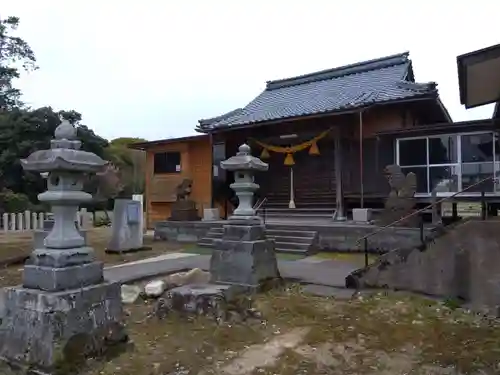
(196, 163)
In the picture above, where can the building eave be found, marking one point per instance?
(464, 64)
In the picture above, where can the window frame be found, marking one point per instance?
(457, 165)
(166, 153)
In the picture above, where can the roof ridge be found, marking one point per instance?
(210, 121)
(359, 67)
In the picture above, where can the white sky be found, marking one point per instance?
(153, 68)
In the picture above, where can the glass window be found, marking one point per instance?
(167, 162)
(472, 173)
(219, 152)
(421, 174)
(443, 179)
(443, 149)
(413, 152)
(477, 148)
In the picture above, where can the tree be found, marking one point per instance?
(24, 131)
(131, 163)
(14, 53)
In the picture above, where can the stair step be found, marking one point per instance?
(281, 239)
(293, 245)
(297, 210)
(297, 215)
(290, 251)
(290, 233)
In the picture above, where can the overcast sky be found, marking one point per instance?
(153, 68)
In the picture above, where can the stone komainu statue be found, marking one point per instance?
(401, 199)
(183, 190)
(184, 209)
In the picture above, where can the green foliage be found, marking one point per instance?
(14, 53)
(131, 163)
(24, 131)
(453, 303)
(13, 202)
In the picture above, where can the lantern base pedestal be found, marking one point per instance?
(53, 279)
(42, 331)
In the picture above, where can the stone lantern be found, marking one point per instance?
(64, 301)
(244, 166)
(244, 256)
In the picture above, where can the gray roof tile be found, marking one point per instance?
(349, 87)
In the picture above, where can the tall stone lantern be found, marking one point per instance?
(244, 166)
(244, 256)
(64, 301)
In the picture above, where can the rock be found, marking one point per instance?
(130, 293)
(155, 288)
(194, 276)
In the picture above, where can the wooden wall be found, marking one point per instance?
(196, 163)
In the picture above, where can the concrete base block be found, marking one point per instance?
(361, 215)
(43, 330)
(243, 257)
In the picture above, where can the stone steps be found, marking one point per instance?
(286, 240)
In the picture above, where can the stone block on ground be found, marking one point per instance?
(130, 293)
(221, 302)
(193, 276)
(155, 288)
(51, 329)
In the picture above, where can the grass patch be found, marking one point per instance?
(395, 333)
(22, 244)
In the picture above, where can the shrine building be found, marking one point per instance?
(327, 137)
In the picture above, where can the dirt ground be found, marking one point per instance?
(384, 334)
(17, 246)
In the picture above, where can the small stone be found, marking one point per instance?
(155, 288)
(130, 293)
(194, 276)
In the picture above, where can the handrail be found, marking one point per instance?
(259, 204)
(381, 229)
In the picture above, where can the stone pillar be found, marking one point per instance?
(64, 300)
(244, 256)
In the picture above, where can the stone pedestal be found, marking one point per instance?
(126, 230)
(184, 210)
(44, 329)
(211, 214)
(244, 256)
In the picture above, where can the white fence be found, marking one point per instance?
(27, 220)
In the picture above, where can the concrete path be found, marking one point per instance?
(327, 272)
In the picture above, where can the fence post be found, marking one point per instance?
(27, 220)
(483, 206)
(5, 219)
(12, 221)
(40, 220)
(366, 251)
(34, 221)
(20, 225)
(421, 227)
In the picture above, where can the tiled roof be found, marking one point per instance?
(348, 87)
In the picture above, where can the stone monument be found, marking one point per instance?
(184, 209)
(401, 200)
(243, 260)
(126, 229)
(64, 306)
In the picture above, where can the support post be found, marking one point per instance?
(366, 251)
(361, 187)
(339, 193)
(291, 204)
